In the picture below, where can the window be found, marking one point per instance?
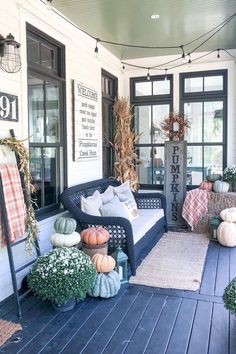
(203, 101)
(109, 93)
(46, 95)
(152, 100)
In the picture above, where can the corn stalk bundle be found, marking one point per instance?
(124, 140)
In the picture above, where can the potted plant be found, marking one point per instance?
(62, 275)
(229, 176)
(229, 296)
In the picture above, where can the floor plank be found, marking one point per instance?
(161, 334)
(199, 338)
(222, 278)
(178, 343)
(210, 271)
(219, 330)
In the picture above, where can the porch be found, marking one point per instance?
(138, 320)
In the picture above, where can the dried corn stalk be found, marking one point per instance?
(124, 139)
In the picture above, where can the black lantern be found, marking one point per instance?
(121, 264)
(10, 60)
(214, 223)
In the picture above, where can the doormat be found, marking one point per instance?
(7, 329)
(175, 262)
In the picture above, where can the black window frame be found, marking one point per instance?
(151, 100)
(206, 96)
(57, 77)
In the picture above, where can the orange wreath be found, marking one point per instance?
(175, 126)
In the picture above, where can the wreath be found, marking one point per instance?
(175, 125)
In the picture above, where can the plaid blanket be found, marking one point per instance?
(14, 202)
(195, 206)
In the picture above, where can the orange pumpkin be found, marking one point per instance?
(103, 263)
(208, 186)
(94, 235)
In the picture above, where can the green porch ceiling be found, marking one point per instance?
(128, 21)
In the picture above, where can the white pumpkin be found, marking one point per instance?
(221, 186)
(228, 214)
(226, 234)
(64, 240)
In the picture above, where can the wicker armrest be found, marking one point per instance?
(150, 200)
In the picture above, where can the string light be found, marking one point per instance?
(215, 30)
(96, 48)
(218, 54)
(165, 75)
(148, 75)
(123, 67)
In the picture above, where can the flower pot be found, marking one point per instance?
(91, 250)
(69, 305)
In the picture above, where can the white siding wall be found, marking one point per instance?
(81, 65)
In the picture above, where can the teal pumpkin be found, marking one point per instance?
(105, 285)
(64, 225)
(221, 187)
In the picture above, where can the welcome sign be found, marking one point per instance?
(175, 180)
(85, 122)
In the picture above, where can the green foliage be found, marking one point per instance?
(62, 274)
(229, 174)
(229, 297)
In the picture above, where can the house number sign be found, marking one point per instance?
(8, 107)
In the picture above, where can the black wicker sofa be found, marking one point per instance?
(120, 228)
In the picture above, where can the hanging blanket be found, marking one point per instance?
(195, 206)
(14, 202)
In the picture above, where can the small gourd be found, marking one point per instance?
(206, 186)
(103, 263)
(228, 215)
(105, 285)
(65, 225)
(64, 240)
(95, 235)
(221, 186)
(226, 234)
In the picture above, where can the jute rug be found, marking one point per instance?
(176, 262)
(7, 329)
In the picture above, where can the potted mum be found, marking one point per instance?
(229, 296)
(63, 275)
(229, 176)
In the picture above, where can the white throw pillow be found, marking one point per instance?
(114, 208)
(131, 209)
(124, 188)
(92, 204)
(108, 195)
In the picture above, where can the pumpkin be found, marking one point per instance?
(103, 263)
(221, 187)
(95, 235)
(65, 225)
(206, 186)
(105, 285)
(226, 234)
(64, 240)
(228, 215)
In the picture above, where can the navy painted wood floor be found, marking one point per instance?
(138, 320)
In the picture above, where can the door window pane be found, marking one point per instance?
(144, 170)
(33, 50)
(194, 165)
(143, 115)
(36, 109)
(52, 113)
(50, 173)
(48, 57)
(36, 175)
(213, 83)
(159, 113)
(158, 165)
(161, 87)
(193, 112)
(213, 159)
(143, 88)
(213, 121)
(193, 84)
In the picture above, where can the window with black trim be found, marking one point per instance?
(203, 99)
(153, 101)
(46, 108)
